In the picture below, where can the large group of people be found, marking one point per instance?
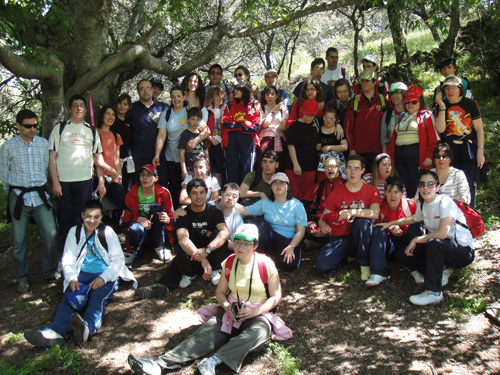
(367, 170)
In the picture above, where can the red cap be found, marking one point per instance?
(150, 167)
(310, 107)
(413, 93)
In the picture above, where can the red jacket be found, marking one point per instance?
(427, 138)
(234, 119)
(131, 211)
(363, 129)
(311, 198)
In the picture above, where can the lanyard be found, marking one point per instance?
(235, 281)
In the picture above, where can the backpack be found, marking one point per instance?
(63, 124)
(260, 264)
(356, 105)
(343, 72)
(100, 235)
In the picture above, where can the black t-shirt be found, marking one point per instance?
(459, 117)
(304, 137)
(200, 225)
(186, 136)
(123, 128)
(328, 139)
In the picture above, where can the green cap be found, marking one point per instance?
(368, 74)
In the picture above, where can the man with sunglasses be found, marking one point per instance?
(215, 79)
(24, 162)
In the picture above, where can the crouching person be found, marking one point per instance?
(242, 320)
(92, 262)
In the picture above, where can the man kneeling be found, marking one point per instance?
(92, 262)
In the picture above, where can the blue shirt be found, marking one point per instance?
(144, 128)
(93, 262)
(25, 165)
(283, 217)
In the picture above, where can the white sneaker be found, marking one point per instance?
(426, 298)
(446, 276)
(216, 277)
(419, 278)
(164, 254)
(122, 237)
(375, 279)
(186, 281)
(365, 273)
(129, 257)
(206, 367)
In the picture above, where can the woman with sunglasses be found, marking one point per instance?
(413, 140)
(242, 320)
(452, 180)
(446, 244)
(242, 74)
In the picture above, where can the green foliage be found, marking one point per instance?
(21, 305)
(461, 306)
(56, 357)
(287, 364)
(12, 338)
(189, 304)
(352, 275)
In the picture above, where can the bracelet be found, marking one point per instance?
(442, 109)
(481, 147)
(226, 304)
(292, 245)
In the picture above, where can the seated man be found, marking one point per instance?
(202, 235)
(148, 211)
(347, 219)
(230, 195)
(257, 184)
(314, 201)
(93, 260)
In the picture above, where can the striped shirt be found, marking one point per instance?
(25, 165)
(456, 185)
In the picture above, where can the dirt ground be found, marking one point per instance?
(339, 325)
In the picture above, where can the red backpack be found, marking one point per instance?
(260, 264)
(474, 221)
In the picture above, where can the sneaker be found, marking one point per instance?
(122, 237)
(143, 365)
(153, 291)
(46, 339)
(186, 281)
(375, 279)
(164, 254)
(215, 277)
(129, 257)
(365, 273)
(80, 328)
(426, 298)
(56, 276)
(446, 276)
(419, 278)
(206, 367)
(23, 287)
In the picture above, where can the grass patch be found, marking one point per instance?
(21, 305)
(188, 304)
(287, 364)
(352, 275)
(461, 306)
(12, 338)
(56, 357)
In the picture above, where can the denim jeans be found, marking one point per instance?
(46, 225)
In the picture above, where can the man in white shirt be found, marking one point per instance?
(333, 71)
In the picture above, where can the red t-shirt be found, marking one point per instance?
(343, 199)
(390, 215)
(109, 147)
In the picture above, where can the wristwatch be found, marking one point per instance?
(208, 250)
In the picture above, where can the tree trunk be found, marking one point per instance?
(422, 13)
(398, 36)
(447, 47)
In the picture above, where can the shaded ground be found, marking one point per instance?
(339, 325)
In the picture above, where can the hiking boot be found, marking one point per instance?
(365, 273)
(23, 287)
(143, 366)
(419, 278)
(186, 281)
(446, 276)
(215, 277)
(153, 291)
(129, 257)
(164, 254)
(46, 339)
(80, 328)
(206, 367)
(426, 298)
(375, 279)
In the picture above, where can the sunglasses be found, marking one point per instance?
(430, 184)
(30, 126)
(215, 73)
(413, 102)
(441, 157)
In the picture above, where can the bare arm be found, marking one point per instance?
(56, 185)
(184, 197)
(160, 141)
(441, 117)
(182, 162)
(269, 304)
(247, 193)
(293, 157)
(478, 126)
(443, 230)
(100, 163)
(184, 241)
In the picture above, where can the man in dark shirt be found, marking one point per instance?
(317, 70)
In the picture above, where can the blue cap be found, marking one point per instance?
(78, 297)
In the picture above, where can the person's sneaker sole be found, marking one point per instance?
(79, 327)
(35, 338)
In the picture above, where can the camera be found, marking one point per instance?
(235, 309)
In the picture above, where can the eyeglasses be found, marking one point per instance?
(29, 126)
(145, 175)
(229, 195)
(75, 105)
(329, 119)
(331, 167)
(423, 184)
(244, 244)
(444, 157)
(92, 218)
(239, 74)
(144, 88)
(215, 73)
(413, 102)
(353, 169)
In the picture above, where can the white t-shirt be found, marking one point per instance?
(440, 208)
(177, 123)
(212, 185)
(336, 74)
(75, 156)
